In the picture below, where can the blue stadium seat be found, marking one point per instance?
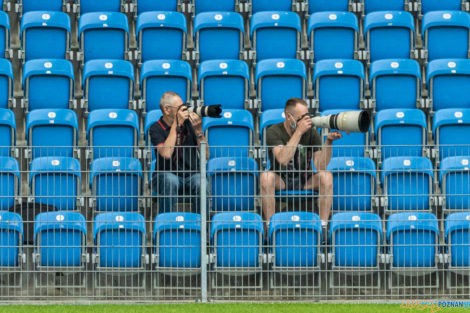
(278, 80)
(116, 183)
(457, 236)
(237, 239)
(407, 183)
(295, 239)
(45, 77)
(55, 181)
(450, 129)
(389, 34)
(108, 84)
(218, 35)
(210, 5)
(4, 35)
(152, 5)
(43, 5)
(448, 81)
(151, 117)
(11, 239)
(275, 34)
(400, 132)
(233, 182)
(113, 133)
(338, 84)
(327, 5)
(45, 34)
(395, 83)
(6, 83)
(60, 239)
(219, 78)
(268, 118)
(52, 132)
(332, 35)
(445, 34)
(9, 183)
(454, 177)
(177, 240)
(103, 35)
(87, 6)
(353, 183)
(159, 76)
(7, 132)
(120, 240)
(231, 135)
(356, 239)
(437, 5)
(161, 35)
(268, 5)
(380, 5)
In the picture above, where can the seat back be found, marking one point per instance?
(6, 83)
(11, 238)
(7, 132)
(378, 5)
(457, 238)
(9, 182)
(49, 5)
(152, 5)
(266, 5)
(209, 5)
(87, 6)
(326, 5)
(437, 5)
(450, 127)
(455, 183)
(4, 32)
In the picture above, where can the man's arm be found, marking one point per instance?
(166, 148)
(322, 157)
(196, 123)
(284, 154)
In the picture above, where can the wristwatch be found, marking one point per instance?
(200, 135)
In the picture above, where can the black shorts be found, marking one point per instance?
(295, 181)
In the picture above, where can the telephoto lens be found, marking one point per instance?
(348, 121)
(207, 110)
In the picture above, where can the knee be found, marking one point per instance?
(326, 179)
(169, 180)
(267, 181)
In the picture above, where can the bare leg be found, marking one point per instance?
(323, 182)
(270, 182)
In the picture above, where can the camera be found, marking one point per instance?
(205, 110)
(348, 121)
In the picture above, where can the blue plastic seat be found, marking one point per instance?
(338, 84)
(457, 236)
(4, 34)
(395, 83)
(407, 183)
(11, 239)
(45, 34)
(9, 183)
(269, 5)
(45, 77)
(52, 132)
(160, 76)
(400, 132)
(445, 34)
(233, 182)
(151, 118)
(219, 78)
(152, 5)
(268, 118)
(120, 239)
(356, 239)
(389, 34)
(380, 5)
(55, 181)
(60, 239)
(103, 35)
(108, 84)
(177, 239)
(161, 35)
(7, 132)
(278, 80)
(218, 35)
(327, 5)
(295, 238)
(413, 238)
(353, 183)
(87, 6)
(43, 5)
(231, 135)
(237, 239)
(116, 183)
(332, 35)
(275, 34)
(448, 81)
(454, 177)
(113, 133)
(437, 5)
(209, 5)
(450, 129)
(6, 83)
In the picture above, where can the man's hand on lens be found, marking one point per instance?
(304, 124)
(196, 121)
(332, 136)
(183, 114)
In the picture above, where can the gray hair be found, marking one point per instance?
(167, 99)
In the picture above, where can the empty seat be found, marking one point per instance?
(55, 181)
(113, 133)
(327, 5)
(108, 84)
(45, 34)
(161, 35)
(448, 81)
(4, 35)
(103, 35)
(237, 240)
(395, 83)
(437, 5)
(450, 129)
(338, 84)
(87, 6)
(231, 135)
(11, 239)
(151, 118)
(457, 237)
(218, 35)
(268, 5)
(45, 77)
(278, 80)
(233, 182)
(407, 183)
(152, 5)
(332, 35)
(116, 184)
(454, 177)
(354, 182)
(43, 5)
(380, 5)
(7, 132)
(177, 239)
(52, 132)
(389, 34)
(6, 83)
(59, 239)
(219, 78)
(400, 132)
(221, 5)
(9, 183)
(268, 118)
(160, 76)
(356, 239)
(120, 240)
(275, 34)
(445, 34)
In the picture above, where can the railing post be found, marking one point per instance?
(203, 207)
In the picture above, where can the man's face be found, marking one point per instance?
(171, 109)
(297, 113)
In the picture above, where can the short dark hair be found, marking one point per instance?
(292, 102)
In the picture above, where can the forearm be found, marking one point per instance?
(201, 139)
(166, 150)
(324, 156)
(287, 152)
